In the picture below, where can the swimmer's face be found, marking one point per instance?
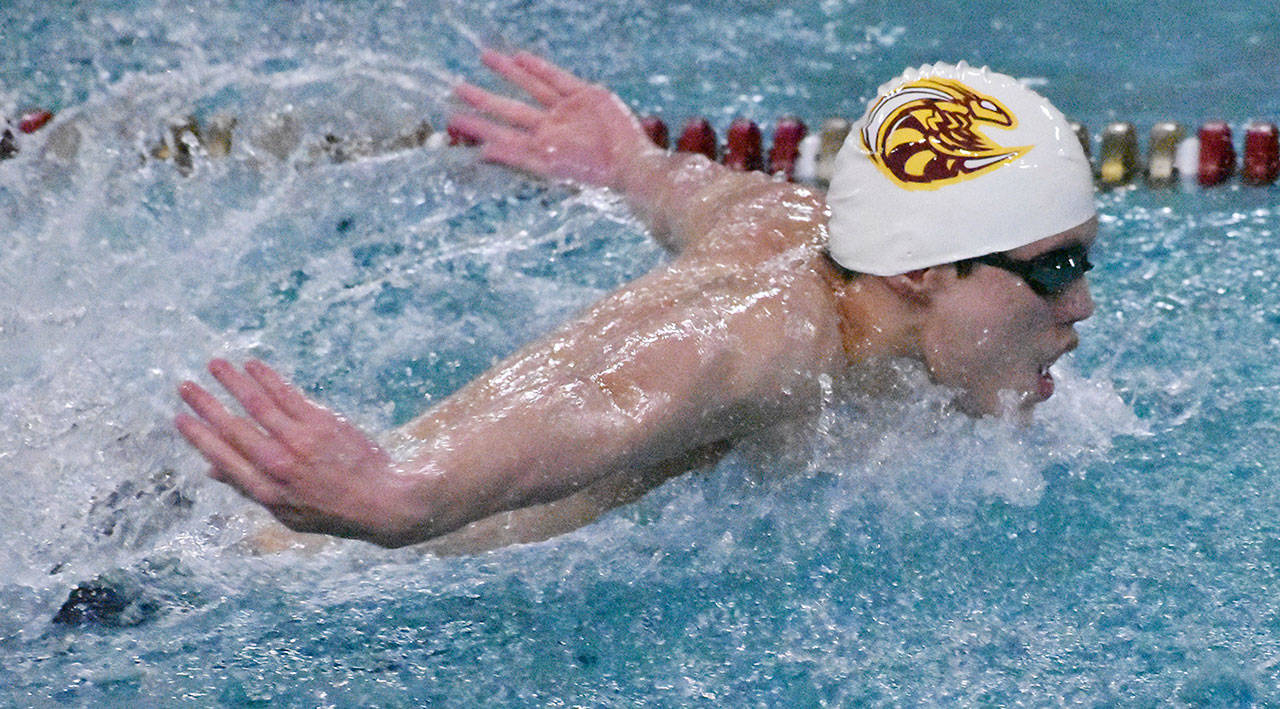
(990, 332)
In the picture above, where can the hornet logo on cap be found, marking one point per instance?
(925, 134)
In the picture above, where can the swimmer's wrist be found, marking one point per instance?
(637, 168)
(397, 515)
(650, 175)
(416, 507)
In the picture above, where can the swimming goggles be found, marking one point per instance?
(1048, 274)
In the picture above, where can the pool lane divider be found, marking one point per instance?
(1173, 156)
(1207, 158)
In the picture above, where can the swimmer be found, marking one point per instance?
(955, 232)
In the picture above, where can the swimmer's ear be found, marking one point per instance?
(916, 286)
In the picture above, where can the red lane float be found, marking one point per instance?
(698, 137)
(743, 149)
(1261, 154)
(458, 136)
(1217, 155)
(656, 130)
(786, 146)
(30, 122)
(1208, 157)
(34, 120)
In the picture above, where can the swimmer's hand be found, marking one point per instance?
(575, 130)
(312, 469)
(580, 131)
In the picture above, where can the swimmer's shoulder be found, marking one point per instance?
(774, 219)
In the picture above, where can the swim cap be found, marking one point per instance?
(952, 162)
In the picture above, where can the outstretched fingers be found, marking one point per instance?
(510, 111)
(304, 463)
(508, 68)
(285, 395)
(249, 443)
(483, 129)
(501, 144)
(549, 74)
(229, 466)
(255, 399)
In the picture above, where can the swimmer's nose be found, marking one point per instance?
(1076, 303)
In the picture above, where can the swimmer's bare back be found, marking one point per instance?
(730, 335)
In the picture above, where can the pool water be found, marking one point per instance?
(1123, 549)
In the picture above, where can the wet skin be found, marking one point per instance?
(734, 333)
(991, 333)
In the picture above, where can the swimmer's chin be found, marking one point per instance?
(1010, 405)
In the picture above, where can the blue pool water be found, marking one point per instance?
(1123, 549)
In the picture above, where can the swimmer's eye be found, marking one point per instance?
(1048, 274)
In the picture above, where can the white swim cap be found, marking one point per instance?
(952, 162)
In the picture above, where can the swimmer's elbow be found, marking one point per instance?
(695, 198)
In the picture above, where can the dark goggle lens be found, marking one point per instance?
(1048, 274)
(1051, 273)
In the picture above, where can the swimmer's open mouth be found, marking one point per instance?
(1045, 380)
(1044, 384)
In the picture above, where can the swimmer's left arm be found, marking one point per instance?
(574, 130)
(583, 132)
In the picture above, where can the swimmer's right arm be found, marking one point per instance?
(653, 371)
(581, 131)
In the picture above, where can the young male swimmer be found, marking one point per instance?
(955, 232)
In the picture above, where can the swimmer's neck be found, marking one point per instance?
(875, 321)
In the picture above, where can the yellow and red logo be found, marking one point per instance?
(925, 134)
